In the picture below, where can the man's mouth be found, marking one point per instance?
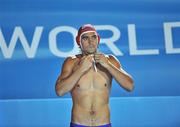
(91, 46)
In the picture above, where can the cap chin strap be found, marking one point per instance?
(94, 65)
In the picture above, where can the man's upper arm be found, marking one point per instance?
(66, 69)
(114, 61)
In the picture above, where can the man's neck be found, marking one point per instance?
(84, 54)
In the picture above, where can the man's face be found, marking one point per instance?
(89, 42)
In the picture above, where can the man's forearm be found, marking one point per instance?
(121, 77)
(67, 84)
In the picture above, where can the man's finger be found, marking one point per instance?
(97, 54)
(82, 58)
(97, 58)
(90, 56)
(98, 61)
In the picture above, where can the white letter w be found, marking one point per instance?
(18, 34)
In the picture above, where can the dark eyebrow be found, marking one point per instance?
(93, 35)
(88, 36)
(84, 36)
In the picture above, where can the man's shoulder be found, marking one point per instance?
(71, 59)
(74, 57)
(110, 56)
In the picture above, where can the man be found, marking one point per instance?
(88, 77)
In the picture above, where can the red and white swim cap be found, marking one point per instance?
(85, 29)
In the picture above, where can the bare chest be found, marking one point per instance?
(93, 80)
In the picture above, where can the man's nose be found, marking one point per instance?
(90, 40)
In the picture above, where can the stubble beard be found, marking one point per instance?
(90, 51)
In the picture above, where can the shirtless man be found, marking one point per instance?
(88, 76)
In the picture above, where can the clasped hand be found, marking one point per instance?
(87, 61)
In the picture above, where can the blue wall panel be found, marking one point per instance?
(125, 112)
(142, 34)
(24, 75)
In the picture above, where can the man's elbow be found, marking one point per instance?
(131, 86)
(59, 91)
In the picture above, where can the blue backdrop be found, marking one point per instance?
(36, 36)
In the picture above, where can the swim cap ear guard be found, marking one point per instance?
(85, 29)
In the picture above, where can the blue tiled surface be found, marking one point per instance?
(125, 112)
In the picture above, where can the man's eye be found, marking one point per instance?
(94, 37)
(85, 38)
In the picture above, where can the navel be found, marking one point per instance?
(105, 85)
(92, 112)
